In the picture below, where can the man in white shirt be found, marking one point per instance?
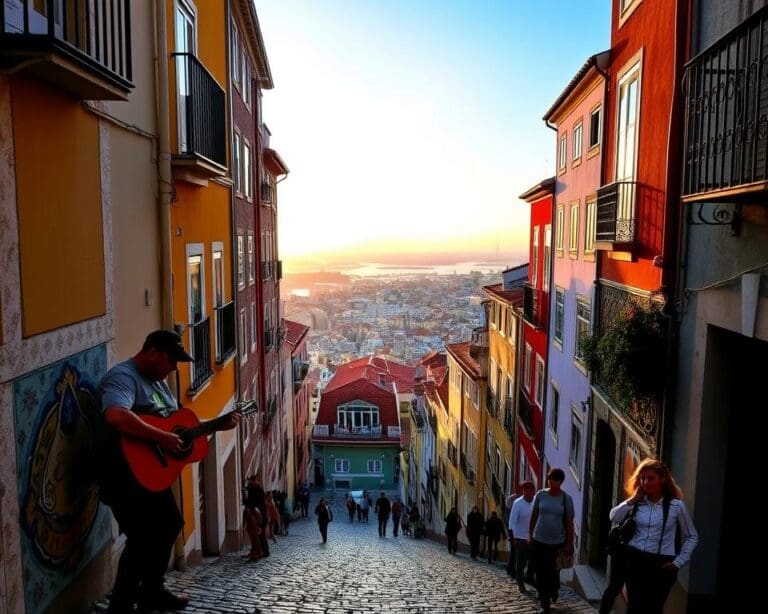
(519, 529)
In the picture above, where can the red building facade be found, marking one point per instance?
(532, 352)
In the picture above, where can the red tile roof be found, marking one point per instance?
(460, 351)
(375, 369)
(513, 296)
(294, 332)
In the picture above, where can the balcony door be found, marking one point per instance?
(626, 140)
(186, 42)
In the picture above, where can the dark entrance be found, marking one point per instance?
(602, 491)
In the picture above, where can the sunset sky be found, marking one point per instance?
(411, 126)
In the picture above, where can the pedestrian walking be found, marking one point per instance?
(351, 507)
(519, 531)
(397, 511)
(511, 562)
(324, 516)
(382, 511)
(652, 562)
(551, 530)
(474, 529)
(365, 504)
(452, 526)
(252, 515)
(494, 531)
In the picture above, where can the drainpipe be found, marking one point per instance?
(165, 189)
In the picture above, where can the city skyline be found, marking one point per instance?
(424, 113)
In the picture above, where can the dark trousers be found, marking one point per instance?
(323, 530)
(150, 521)
(648, 585)
(493, 549)
(512, 560)
(616, 580)
(395, 524)
(523, 561)
(383, 525)
(474, 545)
(547, 577)
(365, 515)
(453, 542)
(304, 505)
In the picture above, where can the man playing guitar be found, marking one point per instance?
(149, 519)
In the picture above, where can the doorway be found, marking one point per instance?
(602, 489)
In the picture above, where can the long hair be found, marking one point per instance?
(669, 488)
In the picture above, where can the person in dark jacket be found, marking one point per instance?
(324, 516)
(452, 526)
(494, 531)
(474, 530)
(383, 508)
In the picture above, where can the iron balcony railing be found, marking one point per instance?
(466, 468)
(268, 338)
(225, 331)
(266, 269)
(726, 118)
(356, 432)
(525, 414)
(95, 34)
(492, 403)
(615, 220)
(200, 342)
(509, 419)
(266, 192)
(202, 111)
(535, 306)
(452, 453)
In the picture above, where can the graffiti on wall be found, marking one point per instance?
(63, 524)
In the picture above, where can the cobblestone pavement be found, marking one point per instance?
(355, 572)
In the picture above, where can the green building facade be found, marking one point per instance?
(360, 467)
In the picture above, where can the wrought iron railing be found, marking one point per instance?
(200, 342)
(726, 119)
(535, 306)
(94, 33)
(266, 192)
(615, 222)
(202, 111)
(509, 419)
(466, 467)
(496, 490)
(492, 403)
(225, 331)
(268, 339)
(525, 414)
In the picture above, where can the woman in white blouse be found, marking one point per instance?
(652, 559)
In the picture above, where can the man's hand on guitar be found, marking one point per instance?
(232, 420)
(170, 442)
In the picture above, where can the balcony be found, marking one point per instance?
(335, 431)
(452, 454)
(200, 342)
(615, 223)
(268, 339)
(525, 415)
(509, 419)
(535, 306)
(466, 468)
(278, 269)
(726, 130)
(224, 317)
(300, 371)
(83, 47)
(492, 403)
(202, 121)
(497, 492)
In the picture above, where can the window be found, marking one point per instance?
(236, 169)
(539, 381)
(475, 394)
(559, 227)
(511, 327)
(253, 327)
(590, 227)
(374, 465)
(574, 456)
(626, 145)
(559, 315)
(243, 338)
(595, 127)
(251, 260)
(358, 417)
(488, 445)
(492, 382)
(554, 410)
(195, 283)
(247, 171)
(235, 55)
(573, 231)
(525, 469)
(240, 261)
(577, 139)
(341, 465)
(527, 368)
(508, 478)
(218, 273)
(562, 153)
(535, 259)
(547, 256)
(626, 8)
(510, 391)
(583, 328)
(246, 87)
(185, 30)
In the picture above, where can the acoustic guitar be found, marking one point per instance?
(156, 469)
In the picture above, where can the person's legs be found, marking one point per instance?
(395, 525)
(474, 546)
(615, 583)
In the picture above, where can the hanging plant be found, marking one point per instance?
(629, 356)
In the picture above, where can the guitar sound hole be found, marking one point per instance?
(186, 446)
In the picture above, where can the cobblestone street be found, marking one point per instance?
(355, 572)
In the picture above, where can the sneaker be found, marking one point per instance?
(164, 600)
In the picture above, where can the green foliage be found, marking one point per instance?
(630, 356)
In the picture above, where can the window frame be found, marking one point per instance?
(581, 302)
(535, 256)
(540, 381)
(558, 339)
(559, 230)
(345, 466)
(577, 142)
(380, 465)
(527, 367)
(547, 272)
(576, 452)
(562, 154)
(590, 225)
(573, 230)
(595, 114)
(240, 261)
(554, 411)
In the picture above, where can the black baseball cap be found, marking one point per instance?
(168, 341)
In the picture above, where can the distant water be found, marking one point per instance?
(374, 269)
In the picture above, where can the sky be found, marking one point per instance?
(411, 127)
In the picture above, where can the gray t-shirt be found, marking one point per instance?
(550, 525)
(124, 386)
